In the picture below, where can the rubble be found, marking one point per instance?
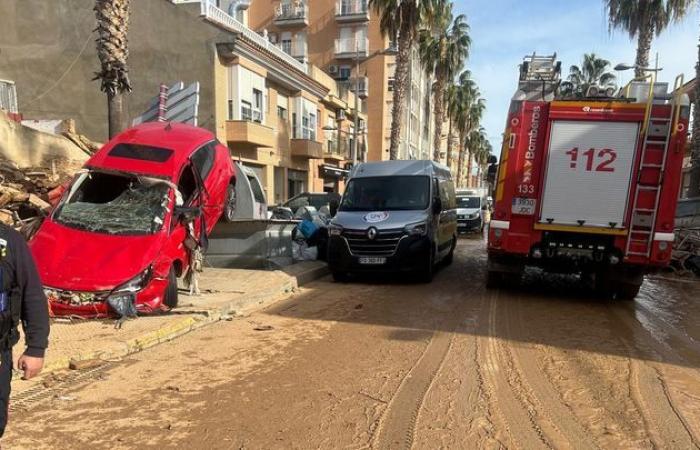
(686, 251)
(27, 194)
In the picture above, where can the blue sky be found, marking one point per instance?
(503, 31)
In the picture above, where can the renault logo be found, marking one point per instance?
(372, 233)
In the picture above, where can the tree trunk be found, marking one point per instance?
(400, 86)
(646, 35)
(449, 147)
(694, 189)
(469, 169)
(115, 113)
(460, 159)
(439, 114)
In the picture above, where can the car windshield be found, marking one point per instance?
(468, 202)
(394, 193)
(115, 204)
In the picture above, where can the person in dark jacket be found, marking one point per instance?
(22, 300)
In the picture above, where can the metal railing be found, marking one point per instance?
(350, 7)
(291, 11)
(213, 14)
(353, 84)
(351, 45)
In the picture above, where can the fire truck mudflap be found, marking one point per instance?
(587, 186)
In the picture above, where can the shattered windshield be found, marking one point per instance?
(115, 204)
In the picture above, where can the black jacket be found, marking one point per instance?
(25, 287)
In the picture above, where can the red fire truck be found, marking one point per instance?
(588, 186)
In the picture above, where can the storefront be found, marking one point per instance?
(333, 177)
(296, 182)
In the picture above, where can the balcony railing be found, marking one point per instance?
(357, 86)
(291, 13)
(215, 15)
(351, 10)
(351, 47)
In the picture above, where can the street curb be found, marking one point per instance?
(199, 320)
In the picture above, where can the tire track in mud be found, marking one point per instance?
(558, 421)
(667, 426)
(397, 425)
(496, 371)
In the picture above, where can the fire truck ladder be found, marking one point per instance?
(657, 133)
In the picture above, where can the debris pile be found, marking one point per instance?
(27, 194)
(686, 251)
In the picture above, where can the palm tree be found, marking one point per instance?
(113, 52)
(694, 190)
(469, 110)
(401, 20)
(476, 141)
(593, 72)
(452, 104)
(443, 50)
(644, 18)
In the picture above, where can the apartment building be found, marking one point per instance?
(342, 37)
(285, 118)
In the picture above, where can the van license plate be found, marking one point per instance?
(372, 260)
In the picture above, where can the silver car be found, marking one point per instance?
(395, 216)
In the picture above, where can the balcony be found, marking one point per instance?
(352, 85)
(336, 151)
(290, 14)
(351, 11)
(306, 148)
(296, 49)
(250, 133)
(350, 48)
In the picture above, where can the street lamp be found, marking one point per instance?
(622, 67)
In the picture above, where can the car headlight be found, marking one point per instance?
(335, 230)
(416, 229)
(135, 284)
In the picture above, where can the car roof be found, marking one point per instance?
(182, 139)
(401, 168)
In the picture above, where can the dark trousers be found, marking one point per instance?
(5, 377)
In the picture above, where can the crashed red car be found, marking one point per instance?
(126, 227)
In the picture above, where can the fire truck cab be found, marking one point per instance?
(588, 185)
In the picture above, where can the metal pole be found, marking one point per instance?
(357, 103)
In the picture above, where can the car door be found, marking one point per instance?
(208, 174)
(448, 215)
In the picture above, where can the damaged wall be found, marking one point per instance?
(50, 53)
(28, 147)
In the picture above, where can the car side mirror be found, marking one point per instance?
(187, 214)
(437, 206)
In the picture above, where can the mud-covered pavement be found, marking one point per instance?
(394, 364)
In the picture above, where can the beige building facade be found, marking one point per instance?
(343, 39)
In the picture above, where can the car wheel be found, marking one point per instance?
(230, 205)
(170, 297)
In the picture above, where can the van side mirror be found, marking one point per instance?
(437, 205)
(187, 214)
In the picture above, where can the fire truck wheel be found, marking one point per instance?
(627, 291)
(493, 279)
(170, 297)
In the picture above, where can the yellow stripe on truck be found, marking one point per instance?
(577, 229)
(503, 165)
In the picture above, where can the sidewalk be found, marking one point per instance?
(224, 292)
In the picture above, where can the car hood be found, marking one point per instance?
(467, 211)
(382, 220)
(72, 259)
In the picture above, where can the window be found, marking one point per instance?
(257, 111)
(390, 84)
(257, 190)
(286, 46)
(246, 110)
(230, 110)
(282, 113)
(141, 152)
(203, 159)
(294, 126)
(344, 72)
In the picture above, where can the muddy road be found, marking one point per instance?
(394, 364)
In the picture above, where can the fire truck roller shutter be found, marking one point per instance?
(589, 169)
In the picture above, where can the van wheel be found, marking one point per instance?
(170, 297)
(426, 275)
(230, 205)
(340, 277)
(451, 256)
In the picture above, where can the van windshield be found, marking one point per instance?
(468, 202)
(392, 193)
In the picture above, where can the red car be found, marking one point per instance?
(125, 228)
